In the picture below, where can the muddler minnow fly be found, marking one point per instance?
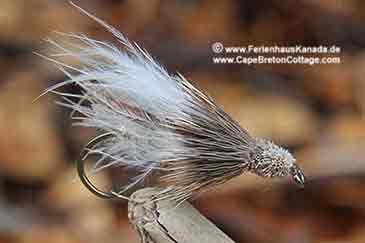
(152, 121)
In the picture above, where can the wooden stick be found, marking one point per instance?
(164, 222)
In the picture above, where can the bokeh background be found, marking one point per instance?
(315, 111)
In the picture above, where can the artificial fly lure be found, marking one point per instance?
(152, 121)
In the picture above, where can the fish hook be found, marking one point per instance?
(80, 164)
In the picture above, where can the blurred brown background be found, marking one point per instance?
(315, 111)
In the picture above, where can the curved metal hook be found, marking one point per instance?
(87, 183)
(85, 180)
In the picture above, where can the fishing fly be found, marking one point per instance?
(157, 123)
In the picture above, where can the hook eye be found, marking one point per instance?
(298, 175)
